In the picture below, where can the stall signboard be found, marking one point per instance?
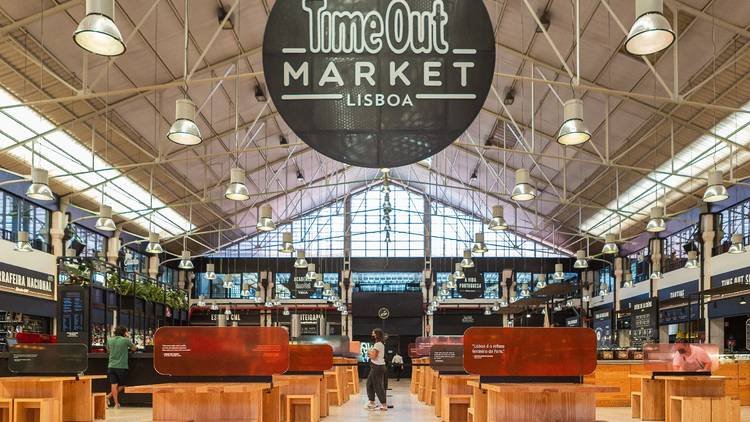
(741, 276)
(310, 357)
(573, 322)
(27, 282)
(679, 314)
(299, 286)
(378, 83)
(221, 351)
(447, 358)
(424, 344)
(603, 327)
(310, 324)
(529, 352)
(472, 285)
(48, 359)
(644, 327)
(681, 357)
(340, 344)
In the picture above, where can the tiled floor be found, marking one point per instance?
(406, 408)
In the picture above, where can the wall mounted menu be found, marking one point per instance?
(472, 285)
(221, 351)
(447, 358)
(310, 357)
(73, 323)
(48, 358)
(644, 327)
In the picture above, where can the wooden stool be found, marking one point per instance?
(690, 409)
(36, 410)
(725, 409)
(100, 406)
(6, 410)
(635, 405)
(455, 407)
(302, 408)
(470, 414)
(351, 379)
(332, 388)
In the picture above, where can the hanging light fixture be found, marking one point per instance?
(451, 284)
(311, 274)
(214, 306)
(185, 262)
(743, 301)
(245, 292)
(300, 262)
(265, 222)
(286, 311)
(656, 223)
(39, 188)
(498, 222)
(97, 32)
(523, 191)
(287, 243)
(716, 190)
(487, 311)
(495, 307)
(327, 291)
(573, 130)
(227, 283)
(628, 281)
(210, 272)
(201, 301)
(319, 281)
(586, 299)
(257, 299)
(344, 312)
(525, 291)
(153, 246)
(277, 301)
(737, 244)
(581, 261)
(184, 131)
(502, 302)
(479, 246)
(540, 282)
(105, 221)
(237, 190)
(603, 291)
(559, 273)
(656, 275)
(692, 260)
(651, 32)
(610, 244)
(458, 274)
(337, 303)
(269, 304)
(467, 262)
(228, 311)
(22, 242)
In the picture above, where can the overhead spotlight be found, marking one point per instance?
(300, 176)
(319, 284)
(105, 221)
(265, 222)
(581, 261)
(286, 311)
(257, 299)
(473, 177)
(184, 131)
(201, 301)
(545, 20)
(428, 312)
(39, 188)
(528, 314)
(287, 245)
(628, 281)
(502, 302)
(604, 290)
(153, 246)
(458, 274)
(269, 304)
(737, 244)
(97, 32)
(487, 311)
(327, 291)
(523, 191)
(495, 307)
(510, 97)
(573, 130)
(651, 32)
(540, 282)
(467, 262)
(656, 223)
(716, 191)
(185, 262)
(259, 94)
(692, 260)
(22, 242)
(311, 274)
(498, 222)
(210, 272)
(743, 301)
(451, 284)
(300, 262)
(344, 312)
(656, 275)
(610, 244)
(221, 15)
(586, 299)
(337, 303)
(283, 140)
(479, 246)
(237, 190)
(559, 273)
(214, 306)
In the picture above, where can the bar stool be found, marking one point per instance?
(302, 408)
(36, 410)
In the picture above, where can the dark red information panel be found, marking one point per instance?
(413, 350)
(424, 344)
(447, 358)
(221, 351)
(529, 352)
(310, 357)
(681, 357)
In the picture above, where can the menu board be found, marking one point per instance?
(529, 352)
(644, 327)
(221, 351)
(603, 328)
(48, 359)
(447, 358)
(472, 285)
(73, 325)
(299, 286)
(310, 357)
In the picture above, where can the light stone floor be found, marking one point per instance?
(406, 408)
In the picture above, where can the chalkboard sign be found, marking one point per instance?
(299, 286)
(48, 359)
(472, 285)
(645, 324)
(447, 358)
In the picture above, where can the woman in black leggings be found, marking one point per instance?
(375, 380)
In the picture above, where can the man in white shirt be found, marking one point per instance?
(398, 365)
(688, 358)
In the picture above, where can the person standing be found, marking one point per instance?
(117, 368)
(398, 365)
(376, 377)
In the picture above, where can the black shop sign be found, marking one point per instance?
(299, 286)
(26, 282)
(472, 285)
(377, 83)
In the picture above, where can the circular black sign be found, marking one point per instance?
(384, 313)
(377, 83)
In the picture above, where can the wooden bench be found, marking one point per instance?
(99, 403)
(635, 404)
(302, 408)
(690, 409)
(6, 410)
(725, 409)
(36, 410)
(455, 407)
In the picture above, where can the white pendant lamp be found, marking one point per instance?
(451, 284)
(479, 246)
(327, 291)
(581, 261)
(467, 262)
(22, 242)
(458, 274)
(184, 131)
(716, 190)
(210, 272)
(286, 311)
(214, 306)
(656, 275)
(559, 274)
(185, 262)
(737, 246)
(495, 307)
(498, 222)
(523, 191)
(39, 188)
(311, 274)
(201, 301)
(287, 243)
(97, 32)
(300, 262)
(237, 190)
(540, 282)
(265, 221)
(610, 244)
(692, 260)
(105, 221)
(573, 130)
(487, 311)
(656, 223)
(153, 246)
(651, 32)
(319, 284)
(628, 281)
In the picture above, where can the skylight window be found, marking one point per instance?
(695, 160)
(65, 158)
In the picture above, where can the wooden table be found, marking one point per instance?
(73, 394)
(537, 401)
(656, 391)
(304, 384)
(233, 401)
